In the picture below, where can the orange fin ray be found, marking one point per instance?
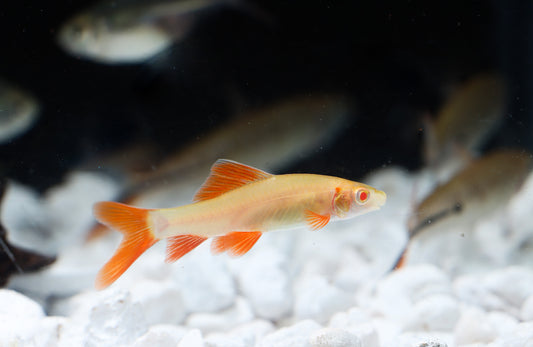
(316, 221)
(235, 243)
(227, 175)
(138, 237)
(180, 245)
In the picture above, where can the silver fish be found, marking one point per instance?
(18, 111)
(481, 189)
(130, 31)
(269, 137)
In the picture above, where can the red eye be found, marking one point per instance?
(362, 196)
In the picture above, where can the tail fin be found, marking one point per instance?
(138, 237)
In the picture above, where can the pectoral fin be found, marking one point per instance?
(316, 221)
(235, 243)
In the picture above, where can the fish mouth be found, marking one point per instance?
(380, 198)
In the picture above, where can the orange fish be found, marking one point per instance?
(235, 205)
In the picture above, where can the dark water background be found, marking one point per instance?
(392, 57)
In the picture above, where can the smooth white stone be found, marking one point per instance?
(434, 313)
(474, 327)
(161, 335)
(239, 313)
(192, 339)
(296, 335)
(265, 282)
(333, 337)
(526, 312)
(205, 282)
(316, 299)
(399, 291)
(20, 319)
(161, 301)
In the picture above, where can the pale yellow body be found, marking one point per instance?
(278, 202)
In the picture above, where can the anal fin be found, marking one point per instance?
(178, 246)
(235, 243)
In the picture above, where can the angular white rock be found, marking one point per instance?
(434, 313)
(316, 299)
(400, 290)
(162, 335)
(114, 320)
(296, 335)
(333, 337)
(161, 301)
(265, 282)
(476, 326)
(205, 282)
(192, 339)
(359, 323)
(239, 313)
(20, 319)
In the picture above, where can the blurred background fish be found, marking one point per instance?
(19, 111)
(465, 122)
(482, 188)
(271, 137)
(132, 31)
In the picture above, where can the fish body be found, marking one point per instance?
(302, 124)
(482, 188)
(236, 204)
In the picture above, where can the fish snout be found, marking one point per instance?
(380, 198)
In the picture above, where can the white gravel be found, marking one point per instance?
(294, 288)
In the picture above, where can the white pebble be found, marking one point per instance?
(239, 313)
(50, 331)
(264, 280)
(316, 299)
(163, 335)
(526, 313)
(400, 290)
(434, 313)
(20, 318)
(205, 282)
(115, 320)
(192, 339)
(296, 335)
(478, 327)
(161, 301)
(331, 337)
(513, 284)
(520, 336)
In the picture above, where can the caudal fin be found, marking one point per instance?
(132, 222)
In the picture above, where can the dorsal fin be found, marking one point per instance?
(227, 175)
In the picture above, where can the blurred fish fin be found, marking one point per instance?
(133, 223)
(400, 262)
(227, 175)
(316, 221)
(235, 243)
(180, 245)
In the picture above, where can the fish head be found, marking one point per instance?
(357, 199)
(79, 34)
